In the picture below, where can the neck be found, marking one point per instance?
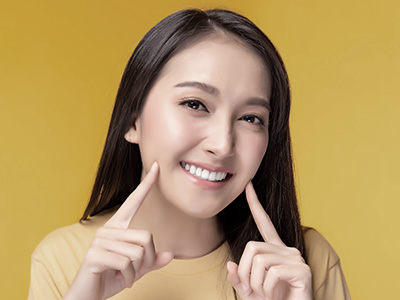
(173, 230)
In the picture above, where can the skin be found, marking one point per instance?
(210, 130)
(210, 102)
(269, 270)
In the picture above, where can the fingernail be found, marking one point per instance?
(154, 165)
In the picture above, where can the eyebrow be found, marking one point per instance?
(259, 102)
(254, 101)
(200, 85)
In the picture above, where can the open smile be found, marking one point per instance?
(205, 174)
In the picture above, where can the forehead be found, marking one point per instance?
(214, 56)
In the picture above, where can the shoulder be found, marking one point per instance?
(318, 248)
(73, 238)
(324, 262)
(58, 257)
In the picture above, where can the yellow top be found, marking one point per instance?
(58, 257)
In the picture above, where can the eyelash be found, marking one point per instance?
(258, 119)
(189, 103)
(194, 104)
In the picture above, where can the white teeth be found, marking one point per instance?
(198, 172)
(221, 176)
(212, 176)
(204, 173)
(192, 170)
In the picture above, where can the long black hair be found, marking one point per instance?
(120, 166)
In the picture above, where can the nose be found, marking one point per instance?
(220, 140)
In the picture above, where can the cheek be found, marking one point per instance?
(166, 133)
(253, 149)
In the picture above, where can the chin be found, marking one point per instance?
(203, 211)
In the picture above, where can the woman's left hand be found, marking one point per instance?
(269, 270)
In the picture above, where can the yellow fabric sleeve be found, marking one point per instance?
(327, 276)
(42, 282)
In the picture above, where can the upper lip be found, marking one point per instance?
(209, 167)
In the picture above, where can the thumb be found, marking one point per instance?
(235, 281)
(162, 259)
(233, 276)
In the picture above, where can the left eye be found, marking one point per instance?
(194, 105)
(252, 119)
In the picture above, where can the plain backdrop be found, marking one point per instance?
(60, 65)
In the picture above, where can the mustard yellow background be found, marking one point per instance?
(60, 64)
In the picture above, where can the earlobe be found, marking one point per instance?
(132, 135)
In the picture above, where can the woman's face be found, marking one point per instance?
(205, 121)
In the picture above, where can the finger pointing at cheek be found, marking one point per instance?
(124, 215)
(261, 218)
(269, 269)
(118, 255)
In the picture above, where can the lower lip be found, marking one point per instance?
(205, 184)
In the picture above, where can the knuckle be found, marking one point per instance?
(137, 254)
(148, 237)
(296, 255)
(252, 247)
(273, 271)
(296, 258)
(294, 251)
(258, 259)
(125, 262)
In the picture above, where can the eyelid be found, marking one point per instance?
(188, 100)
(258, 117)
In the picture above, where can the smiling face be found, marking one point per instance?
(205, 121)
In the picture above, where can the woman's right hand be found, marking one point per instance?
(118, 256)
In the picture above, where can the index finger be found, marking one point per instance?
(123, 216)
(263, 222)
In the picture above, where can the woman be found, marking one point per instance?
(201, 115)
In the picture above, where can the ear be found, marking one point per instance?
(133, 134)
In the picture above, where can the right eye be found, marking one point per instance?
(194, 104)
